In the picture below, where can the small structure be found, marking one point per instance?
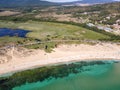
(108, 29)
(90, 25)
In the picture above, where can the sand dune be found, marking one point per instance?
(25, 59)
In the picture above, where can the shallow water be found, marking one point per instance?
(95, 77)
(11, 32)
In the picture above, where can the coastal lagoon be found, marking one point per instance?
(95, 75)
(11, 32)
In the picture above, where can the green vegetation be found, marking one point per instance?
(97, 13)
(47, 46)
(54, 31)
(112, 20)
(48, 29)
(8, 39)
(51, 33)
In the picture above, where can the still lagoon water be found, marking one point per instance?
(91, 77)
(11, 32)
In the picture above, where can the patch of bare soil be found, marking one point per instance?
(9, 13)
(58, 17)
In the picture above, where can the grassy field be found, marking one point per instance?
(46, 31)
(54, 31)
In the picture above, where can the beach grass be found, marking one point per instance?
(7, 39)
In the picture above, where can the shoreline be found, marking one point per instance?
(30, 59)
(59, 63)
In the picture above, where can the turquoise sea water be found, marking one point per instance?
(94, 77)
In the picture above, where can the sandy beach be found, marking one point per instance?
(21, 59)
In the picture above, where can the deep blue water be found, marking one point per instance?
(11, 32)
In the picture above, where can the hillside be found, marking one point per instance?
(88, 2)
(14, 3)
(20, 3)
(95, 1)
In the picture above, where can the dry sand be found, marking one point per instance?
(26, 59)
